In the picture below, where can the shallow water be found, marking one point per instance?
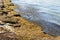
(44, 12)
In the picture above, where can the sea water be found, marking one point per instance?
(44, 12)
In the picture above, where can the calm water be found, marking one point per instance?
(45, 12)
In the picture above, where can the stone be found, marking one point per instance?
(8, 36)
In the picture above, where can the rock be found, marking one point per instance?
(8, 36)
(15, 25)
(1, 2)
(1, 22)
(7, 19)
(12, 13)
(17, 15)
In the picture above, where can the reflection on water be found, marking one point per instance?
(45, 12)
